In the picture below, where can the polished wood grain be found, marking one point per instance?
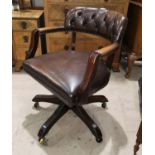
(106, 50)
(22, 38)
(23, 23)
(27, 14)
(133, 37)
(33, 45)
(89, 74)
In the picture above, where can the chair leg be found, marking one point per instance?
(98, 98)
(131, 58)
(46, 98)
(139, 139)
(59, 112)
(80, 112)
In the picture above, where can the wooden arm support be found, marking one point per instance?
(92, 66)
(90, 72)
(41, 31)
(51, 30)
(35, 38)
(33, 45)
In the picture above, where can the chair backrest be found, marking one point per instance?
(99, 21)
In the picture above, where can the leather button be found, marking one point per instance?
(80, 13)
(93, 16)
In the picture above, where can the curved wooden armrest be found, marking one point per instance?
(35, 38)
(108, 49)
(92, 65)
(51, 30)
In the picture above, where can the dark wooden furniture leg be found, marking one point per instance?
(62, 109)
(53, 99)
(80, 112)
(59, 112)
(139, 139)
(116, 60)
(98, 98)
(46, 98)
(131, 58)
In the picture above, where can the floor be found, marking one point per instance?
(118, 123)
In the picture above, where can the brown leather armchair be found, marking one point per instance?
(73, 77)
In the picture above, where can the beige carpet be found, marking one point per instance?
(119, 123)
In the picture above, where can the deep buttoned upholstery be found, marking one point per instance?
(109, 24)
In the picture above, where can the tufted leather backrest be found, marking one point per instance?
(100, 21)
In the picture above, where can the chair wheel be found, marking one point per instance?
(36, 105)
(99, 140)
(104, 105)
(42, 141)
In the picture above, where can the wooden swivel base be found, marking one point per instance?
(62, 109)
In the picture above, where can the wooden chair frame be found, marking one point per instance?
(82, 96)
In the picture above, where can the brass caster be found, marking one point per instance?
(104, 105)
(43, 141)
(36, 105)
(99, 139)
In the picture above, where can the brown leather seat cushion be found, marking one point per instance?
(62, 72)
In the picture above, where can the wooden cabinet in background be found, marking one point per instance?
(133, 36)
(23, 22)
(55, 11)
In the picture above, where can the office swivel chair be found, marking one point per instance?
(71, 76)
